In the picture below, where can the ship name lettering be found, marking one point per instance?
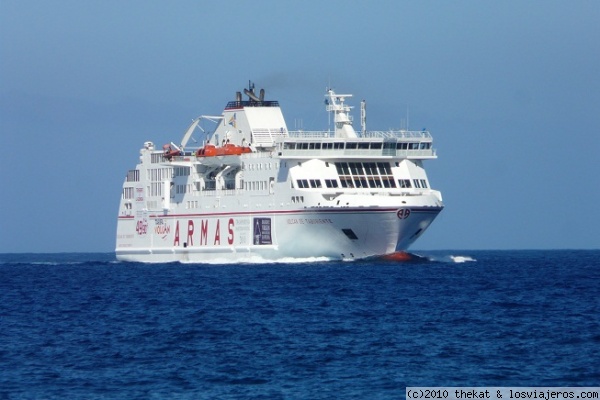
(217, 234)
(230, 228)
(162, 229)
(204, 229)
(190, 237)
(318, 221)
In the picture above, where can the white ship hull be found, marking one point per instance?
(221, 237)
(338, 197)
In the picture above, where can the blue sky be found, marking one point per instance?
(510, 91)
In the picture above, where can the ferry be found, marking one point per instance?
(251, 190)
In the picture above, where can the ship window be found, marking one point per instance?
(404, 183)
(315, 183)
(389, 181)
(356, 168)
(414, 146)
(133, 175)
(302, 183)
(417, 184)
(370, 168)
(374, 182)
(342, 168)
(338, 145)
(350, 234)
(384, 168)
(363, 145)
(331, 183)
(351, 145)
(423, 183)
(376, 145)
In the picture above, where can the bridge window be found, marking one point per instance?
(331, 183)
(315, 183)
(404, 183)
(365, 175)
(302, 183)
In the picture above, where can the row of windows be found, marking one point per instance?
(259, 166)
(133, 175)
(156, 189)
(368, 168)
(191, 204)
(255, 185)
(181, 171)
(181, 189)
(357, 145)
(362, 182)
(160, 174)
(367, 182)
(128, 193)
(365, 175)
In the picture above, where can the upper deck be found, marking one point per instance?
(324, 144)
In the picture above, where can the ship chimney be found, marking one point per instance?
(238, 96)
(262, 95)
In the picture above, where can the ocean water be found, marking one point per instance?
(84, 326)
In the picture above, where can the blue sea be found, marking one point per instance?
(85, 326)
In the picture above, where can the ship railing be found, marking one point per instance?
(334, 153)
(391, 134)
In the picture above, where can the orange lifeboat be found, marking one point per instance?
(207, 151)
(228, 150)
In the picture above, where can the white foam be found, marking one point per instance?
(462, 259)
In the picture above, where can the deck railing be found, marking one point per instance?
(391, 134)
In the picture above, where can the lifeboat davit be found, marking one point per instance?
(170, 152)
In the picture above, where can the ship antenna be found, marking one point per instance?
(363, 117)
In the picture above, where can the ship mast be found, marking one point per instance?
(342, 119)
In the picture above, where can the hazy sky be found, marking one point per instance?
(510, 90)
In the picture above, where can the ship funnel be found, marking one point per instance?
(238, 96)
(262, 95)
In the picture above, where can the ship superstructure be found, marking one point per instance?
(254, 190)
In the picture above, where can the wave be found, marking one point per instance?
(257, 259)
(450, 258)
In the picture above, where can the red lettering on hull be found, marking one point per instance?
(190, 238)
(230, 226)
(203, 237)
(204, 232)
(176, 240)
(217, 234)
